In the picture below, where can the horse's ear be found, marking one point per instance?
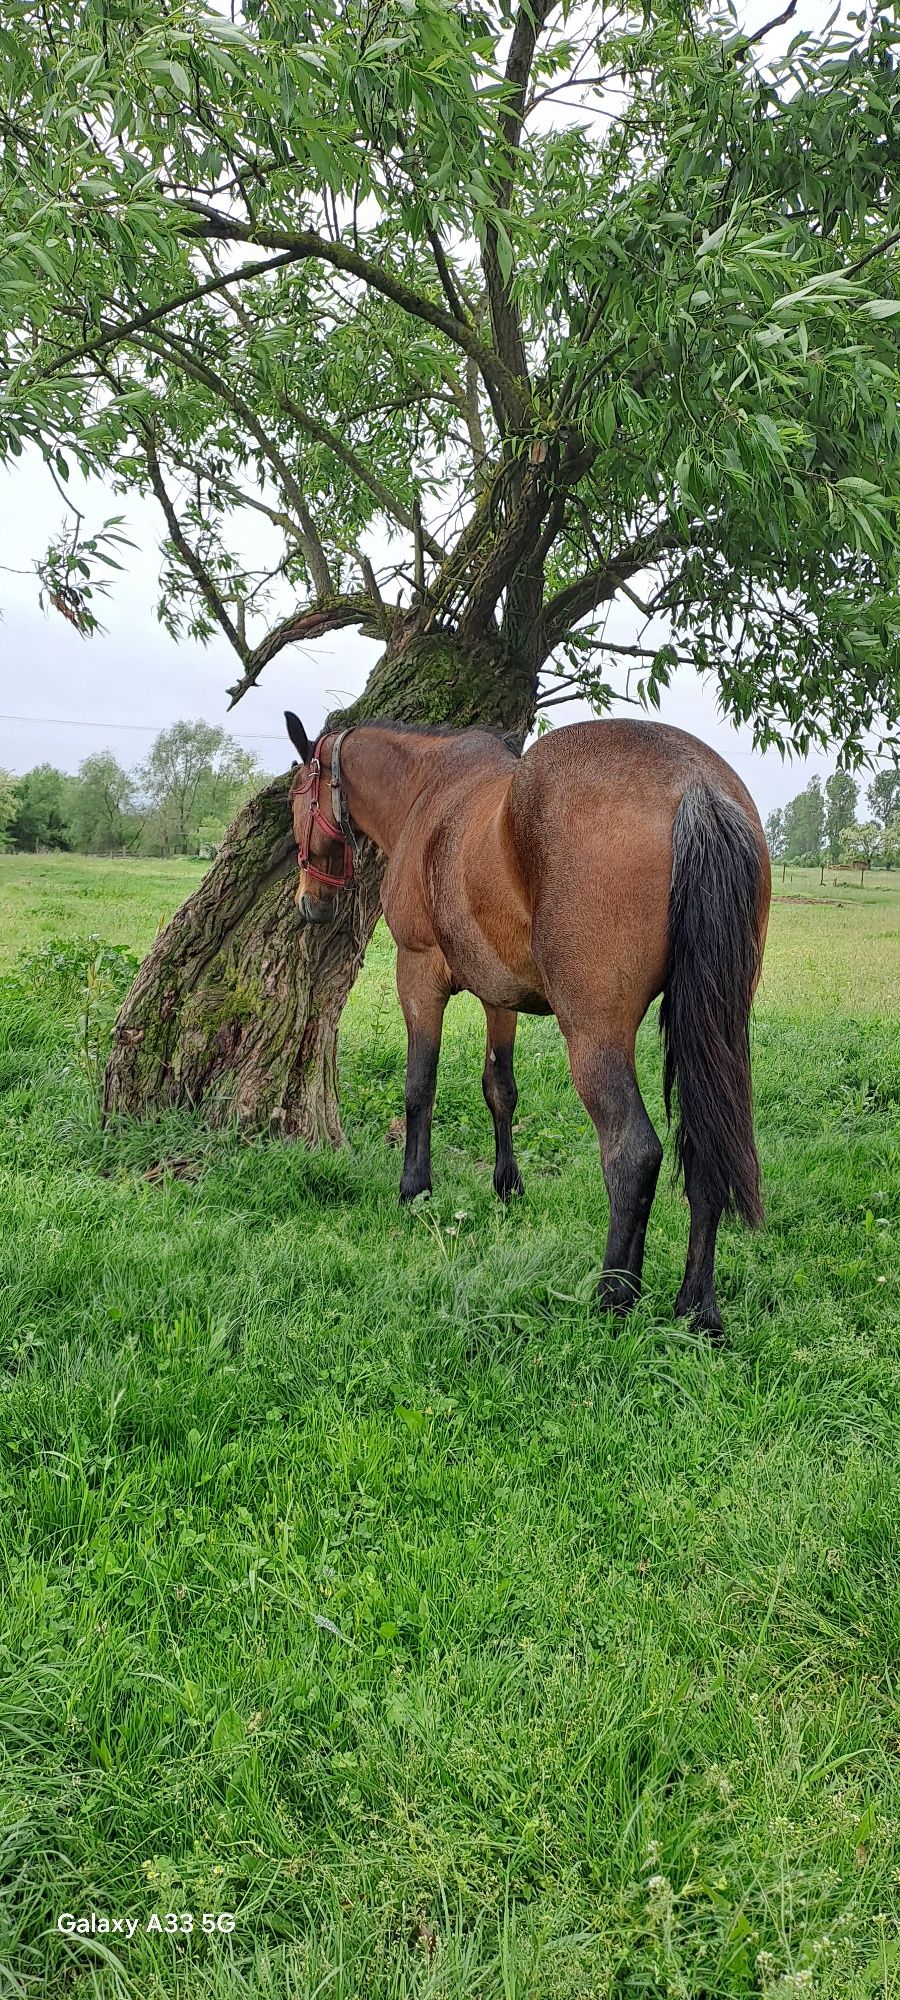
(298, 735)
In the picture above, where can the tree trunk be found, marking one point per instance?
(236, 1008)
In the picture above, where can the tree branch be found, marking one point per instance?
(597, 586)
(474, 425)
(419, 552)
(370, 614)
(530, 22)
(111, 335)
(760, 34)
(525, 590)
(460, 558)
(307, 532)
(506, 319)
(632, 652)
(188, 555)
(878, 250)
(279, 519)
(558, 700)
(448, 282)
(369, 578)
(324, 434)
(199, 220)
(512, 547)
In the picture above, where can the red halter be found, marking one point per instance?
(342, 829)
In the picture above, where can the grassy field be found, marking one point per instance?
(361, 1580)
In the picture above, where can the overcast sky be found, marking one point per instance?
(62, 697)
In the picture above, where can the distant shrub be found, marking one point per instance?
(85, 980)
(60, 969)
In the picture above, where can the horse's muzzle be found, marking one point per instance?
(314, 912)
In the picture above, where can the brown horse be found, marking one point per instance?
(613, 862)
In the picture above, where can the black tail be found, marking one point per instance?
(713, 963)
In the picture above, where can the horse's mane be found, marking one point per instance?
(493, 729)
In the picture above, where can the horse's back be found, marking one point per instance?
(612, 784)
(619, 758)
(590, 812)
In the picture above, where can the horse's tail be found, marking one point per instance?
(714, 910)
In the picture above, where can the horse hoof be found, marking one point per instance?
(410, 1192)
(616, 1294)
(705, 1319)
(509, 1185)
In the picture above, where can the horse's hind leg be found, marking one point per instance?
(696, 1300)
(631, 1155)
(424, 991)
(501, 1096)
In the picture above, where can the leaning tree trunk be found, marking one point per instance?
(236, 1008)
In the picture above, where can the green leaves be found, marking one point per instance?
(691, 253)
(229, 1734)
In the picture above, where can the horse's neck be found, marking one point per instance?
(384, 771)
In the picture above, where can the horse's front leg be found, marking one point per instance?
(501, 1096)
(424, 991)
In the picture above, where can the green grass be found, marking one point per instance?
(360, 1578)
(53, 895)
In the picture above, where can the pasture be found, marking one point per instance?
(361, 1580)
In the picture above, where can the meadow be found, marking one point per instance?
(362, 1582)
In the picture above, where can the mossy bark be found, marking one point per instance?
(236, 1008)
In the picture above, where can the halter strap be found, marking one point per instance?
(340, 814)
(343, 828)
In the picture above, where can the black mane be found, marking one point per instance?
(493, 729)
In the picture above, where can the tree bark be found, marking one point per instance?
(235, 1010)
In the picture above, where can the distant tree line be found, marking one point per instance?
(821, 823)
(179, 801)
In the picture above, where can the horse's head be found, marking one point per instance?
(325, 839)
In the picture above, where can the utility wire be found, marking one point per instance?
(143, 728)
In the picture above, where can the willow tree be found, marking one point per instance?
(499, 315)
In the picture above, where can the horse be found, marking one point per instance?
(612, 862)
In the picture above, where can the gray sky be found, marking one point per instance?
(62, 697)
